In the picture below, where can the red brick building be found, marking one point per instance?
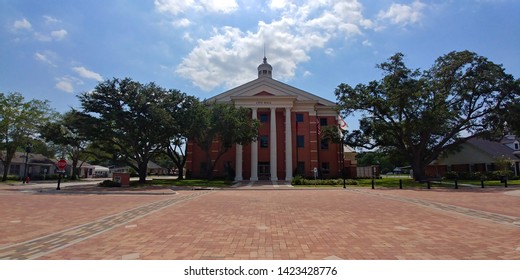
(289, 136)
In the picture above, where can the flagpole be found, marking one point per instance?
(318, 132)
(296, 140)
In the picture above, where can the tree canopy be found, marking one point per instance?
(223, 122)
(65, 133)
(180, 108)
(424, 114)
(128, 120)
(19, 122)
(511, 117)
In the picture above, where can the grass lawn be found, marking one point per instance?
(184, 183)
(489, 183)
(390, 182)
(385, 182)
(323, 186)
(410, 183)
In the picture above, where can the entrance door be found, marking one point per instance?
(264, 171)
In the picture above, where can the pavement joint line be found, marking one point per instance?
(479, 214)
(43, 245)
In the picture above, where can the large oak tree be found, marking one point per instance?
(225, 123)
(19, 122)
(424, 114)
(65, 133)
(128, 120)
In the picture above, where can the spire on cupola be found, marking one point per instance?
(265, 69)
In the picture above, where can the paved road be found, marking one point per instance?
(262, 222)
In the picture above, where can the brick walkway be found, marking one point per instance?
(262, 223)
(41, 246)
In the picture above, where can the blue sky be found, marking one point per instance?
(55, 50)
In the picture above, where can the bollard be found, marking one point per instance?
(482, 183)
(505, 182)
(373, 183)
(428, 183)
(401, 184)
(59, 182)
(456, 184)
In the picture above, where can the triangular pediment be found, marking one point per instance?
(270, 88)
(263, 93)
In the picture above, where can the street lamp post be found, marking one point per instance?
(28, 149)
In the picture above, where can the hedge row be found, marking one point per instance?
(299, 180)
(492, 175)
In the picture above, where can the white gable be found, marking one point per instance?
(266, 92)
(269, 87)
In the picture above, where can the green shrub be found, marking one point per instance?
(109, 184)
(13, 178)
(299, 180)
(451, 175)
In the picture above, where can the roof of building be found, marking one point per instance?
(266, 85)
(492, 148)
(19, 157)
(509, 139)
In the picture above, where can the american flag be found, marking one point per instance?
(342, 124)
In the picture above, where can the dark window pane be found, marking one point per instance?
(300, 141)
(323, 121)
(324, 144)
(264, 118)
(264, 141)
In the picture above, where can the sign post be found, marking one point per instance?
(61, 164)
(315, 171)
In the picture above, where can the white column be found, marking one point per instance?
(273, 158)
(288, 145)
(238, 160)
(254, 155)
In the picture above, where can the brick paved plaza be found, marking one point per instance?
(262, 222)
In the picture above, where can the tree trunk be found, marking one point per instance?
(143, 168)
(180, 168)
(209, 171)
(419, 171)
(7, 164)
(74, 168)
(6, 170)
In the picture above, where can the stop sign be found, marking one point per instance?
(61, 164)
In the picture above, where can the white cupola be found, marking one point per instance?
(265, 69)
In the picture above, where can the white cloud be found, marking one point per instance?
(329, 51)
(45, 58)
(403, 14)
(173, 6)
(22, 24)
(42, 37)
(277, 4)
(231, 52)
(85, 73)
(50, 20)
(187, 37)
(59, 34)
(65, 84)
(220, 6)
(183, 22)
(176, 7)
